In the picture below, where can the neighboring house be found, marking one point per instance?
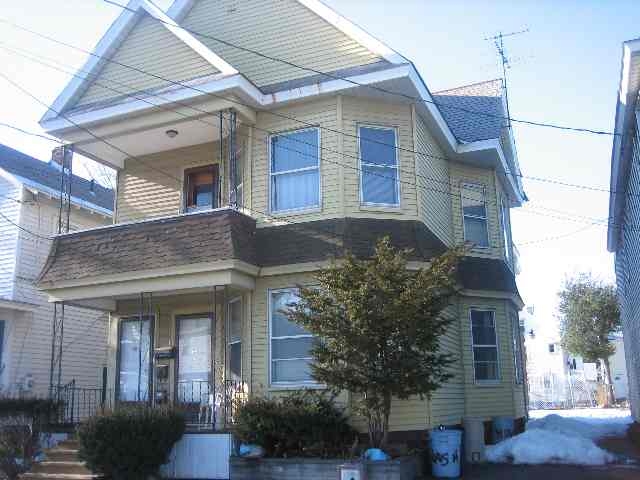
(29, 207)
(254, 174)
(624, 213)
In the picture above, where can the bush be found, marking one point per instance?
(21, 422)
(305, 423)
(130, 444)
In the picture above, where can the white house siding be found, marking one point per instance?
(10, 209)
(628, 277)
(85, 331)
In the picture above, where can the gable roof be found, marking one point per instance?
(459, 107)
(37, 174)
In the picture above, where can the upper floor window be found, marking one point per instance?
(201, 188)
(379, 166)
(485, 345)
(290, 343)
(474, 210)
(506, 229)
(295, 170)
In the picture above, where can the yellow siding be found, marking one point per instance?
(480, 176)
(434, 195)
(358, 111)
(501, 398)
(85, 331)
(152, 48)
(320, 113)
(282, 29)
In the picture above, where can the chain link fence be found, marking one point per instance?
(557, 391)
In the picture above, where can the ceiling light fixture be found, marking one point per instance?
(172, 133)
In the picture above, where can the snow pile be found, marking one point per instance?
(563, 437)
(540, 446)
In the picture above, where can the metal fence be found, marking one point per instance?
(76, 404)
(556, 391)
(211, 405)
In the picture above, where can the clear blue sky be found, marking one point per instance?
(565, 71)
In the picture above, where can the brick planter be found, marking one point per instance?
(402, 468)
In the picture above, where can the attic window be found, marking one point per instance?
(201, 188)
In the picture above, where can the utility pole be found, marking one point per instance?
(498, 42)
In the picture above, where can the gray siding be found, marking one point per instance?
(10, 210)
(628, 277)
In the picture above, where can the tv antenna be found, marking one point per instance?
(498, 42)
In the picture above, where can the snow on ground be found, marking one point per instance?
(563, 436)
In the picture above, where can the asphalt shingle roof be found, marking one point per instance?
(459, 107)
(42, 173)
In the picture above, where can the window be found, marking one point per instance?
(201, 188)
(234, 337)
(295, 170)
(290, 343)
(506, 229)
(379, 166)
(474, 211)
(552, 348)
(485, 345)
(134, 359)
(517, 349)
(194, 357)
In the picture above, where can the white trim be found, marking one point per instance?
(361, 165)
(19, 306)
(318, 167)
(272, 384)
(353, 31)
(492, 381)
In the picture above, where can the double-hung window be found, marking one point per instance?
(295, 170)
(474, 211)
(379, 166)
(235, 337)
(484, 345)
(517, 348)
(290, 343)
(506, 229)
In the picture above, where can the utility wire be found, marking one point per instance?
(566, 216)
(373, 87)
(27, 132)
(281, 115)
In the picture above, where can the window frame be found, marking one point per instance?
(518, 354)
(498, 379)
(271, 174)
(150, 387)
(284, 384)
(505, 219)
(361, 166)
(177, 319)
(215, 192)
(472, 185)
(229, 342)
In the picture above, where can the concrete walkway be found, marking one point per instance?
(550, 472)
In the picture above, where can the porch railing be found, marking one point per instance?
(211, 405)
(76, 404)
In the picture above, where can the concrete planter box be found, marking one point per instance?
(402, 468)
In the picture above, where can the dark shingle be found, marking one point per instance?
(42, 173)
(459, 107)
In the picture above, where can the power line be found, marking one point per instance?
(374, 87)
(566, 216)
(277, 114)
(27, 132)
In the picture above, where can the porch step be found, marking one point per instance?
(62, 455)
(61, 463)
(58, 476)
(73, 467)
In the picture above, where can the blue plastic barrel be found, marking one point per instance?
(445, 453)
(502, 428)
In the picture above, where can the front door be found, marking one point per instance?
(194, 375)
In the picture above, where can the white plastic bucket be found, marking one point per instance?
(474, 448)
(445, 453)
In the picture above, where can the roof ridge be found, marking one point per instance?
(494, 80)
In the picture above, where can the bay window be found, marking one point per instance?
(484, 345)
(379, 175)
(295, 170)
(234, 338)
(517, 348)
(290, 344)
(474, 212)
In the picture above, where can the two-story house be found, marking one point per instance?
(255, 141)
(29, 217)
